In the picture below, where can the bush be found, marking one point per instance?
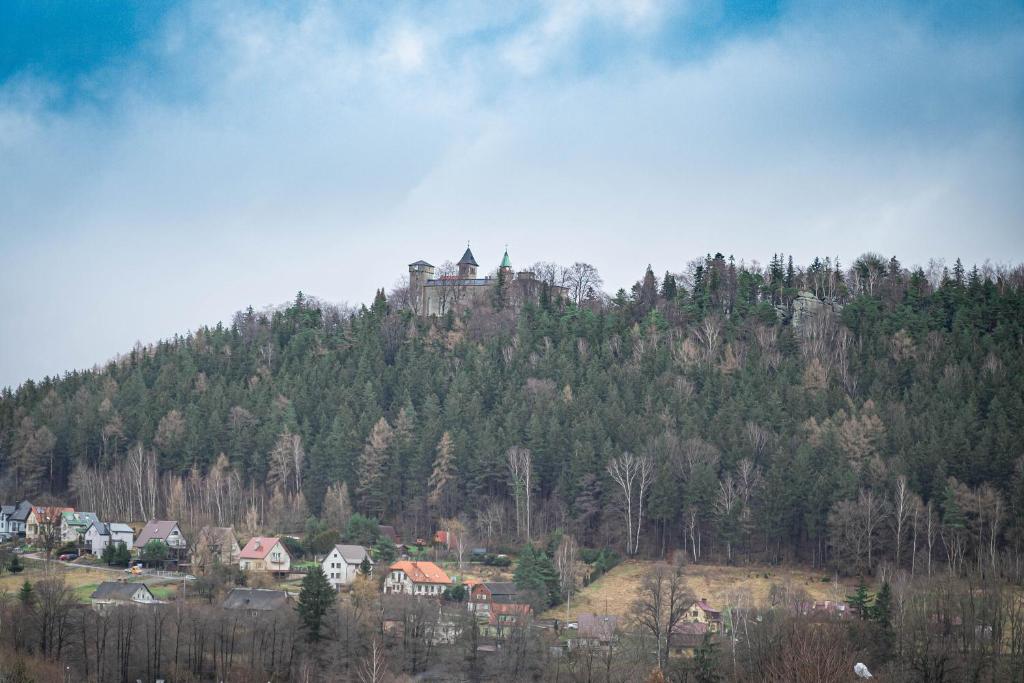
(497, 560)
(293, 546)
(361, 530)
(456, 593)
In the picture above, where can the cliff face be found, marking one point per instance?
(805, 307)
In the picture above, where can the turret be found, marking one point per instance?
(506, 266)
(467, 265)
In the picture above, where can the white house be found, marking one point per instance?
(14, 518)
(416, 578)
(100, 535)
(342, 564)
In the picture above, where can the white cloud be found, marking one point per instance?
(322, 151)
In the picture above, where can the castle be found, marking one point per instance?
(457, 290)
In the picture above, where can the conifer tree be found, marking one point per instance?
(373, 468)
(861, 600)
(316, 598)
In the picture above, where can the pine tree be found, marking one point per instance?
(26, 596)
(705, 662)
(15, 566)
(861, 600)
(881, 610)
(372, 469)
(316, 598)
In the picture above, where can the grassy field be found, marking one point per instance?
(747, 586)
(82, 581)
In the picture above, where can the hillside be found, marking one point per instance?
(808, 414)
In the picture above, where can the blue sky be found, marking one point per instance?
(165, 164)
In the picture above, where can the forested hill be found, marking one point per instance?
(768, 437)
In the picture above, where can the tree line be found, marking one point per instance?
(872, 424)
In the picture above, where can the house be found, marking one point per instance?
(15, 519)
(264, 554)
(257, 600)
(215, 545)
(161, 530)
(486, 595)
(342, 564)
(73, 525)
(114, 593)
(44, 520)
(595, 630)
(99, 535)
(701, 612)
(416, 578)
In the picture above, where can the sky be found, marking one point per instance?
(164, 164)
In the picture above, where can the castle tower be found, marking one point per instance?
(467, 265)
(419, 273)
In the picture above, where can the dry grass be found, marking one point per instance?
(615, 592)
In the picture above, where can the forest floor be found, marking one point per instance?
(745, 586)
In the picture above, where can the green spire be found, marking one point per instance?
(506, 262)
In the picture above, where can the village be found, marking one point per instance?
(157, 563)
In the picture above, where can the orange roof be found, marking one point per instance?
(259, 547)
(421, 572)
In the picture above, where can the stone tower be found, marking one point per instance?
(467, 266)
(419, 273)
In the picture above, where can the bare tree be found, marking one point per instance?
(902, 510)
(661, 604)
(583, 281)
(565, 563)
(374, 668)
(520, 467)
(634, 476)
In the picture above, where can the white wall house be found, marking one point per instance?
(341, 566)
(416, 578)
(100, 535)
(14, 518)
(161, 530)
(112, 593)
(74, 525)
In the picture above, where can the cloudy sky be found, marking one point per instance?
(165, 164)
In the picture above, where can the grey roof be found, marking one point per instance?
(256, 599)
(467, 259)
(22, 510)
(421, 263)
(118, 590)
(120, 528)
(6, 509)
(353, 554)
(501, 587)
(83, 519)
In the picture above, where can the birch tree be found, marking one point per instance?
(634, 476)
(520, 468)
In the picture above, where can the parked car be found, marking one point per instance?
(134, 569)
(68, 557)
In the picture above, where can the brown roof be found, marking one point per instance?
(421, 572)
(259, 547)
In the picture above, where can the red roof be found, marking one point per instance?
(259, 547)
(703, 604)
(421, 572)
